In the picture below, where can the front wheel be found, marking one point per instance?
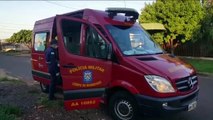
(123, 106)
(44, 88)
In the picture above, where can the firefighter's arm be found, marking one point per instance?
(47, 56)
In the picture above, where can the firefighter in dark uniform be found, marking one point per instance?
(53, 69)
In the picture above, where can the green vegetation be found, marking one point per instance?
(23, 36)
(50, 104)
(11, 52)
(15, 52)
(6, 79)
(204, 66)
(181, 18)
(204, 36)
(8, 112)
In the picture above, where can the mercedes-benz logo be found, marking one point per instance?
(190, 83)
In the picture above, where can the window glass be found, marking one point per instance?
(95, 45)
(133, 40)
(40, 41)
(71, 34)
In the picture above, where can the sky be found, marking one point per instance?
(17, 15)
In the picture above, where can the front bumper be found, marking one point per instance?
(166, 105)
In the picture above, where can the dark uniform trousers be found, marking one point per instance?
(52, 85)
(51, 59)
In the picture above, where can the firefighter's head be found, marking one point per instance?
(54, 43)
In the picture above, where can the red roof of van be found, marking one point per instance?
(93, 16)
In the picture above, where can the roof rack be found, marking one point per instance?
(132, 14)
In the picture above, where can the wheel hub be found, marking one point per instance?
(124, 110)
(43, 86)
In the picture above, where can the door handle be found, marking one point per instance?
(69, 66)
(40, 58)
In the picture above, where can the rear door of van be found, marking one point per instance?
(84, 70)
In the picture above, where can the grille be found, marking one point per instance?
(187, 83)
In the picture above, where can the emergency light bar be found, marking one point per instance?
(132, 14)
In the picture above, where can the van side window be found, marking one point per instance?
(40, 41)
(71, 34)
(95, 44)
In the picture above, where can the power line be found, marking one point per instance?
(3, 33)
(6, 32)
(10, 28)
(3, 23)
(9, 31)
(57, 4)
(14, 28)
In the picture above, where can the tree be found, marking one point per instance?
(205, 35)
(207, 24)
(23, 36)
(180, 18)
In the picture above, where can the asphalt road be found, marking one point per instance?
(16, 66)
(21, 68)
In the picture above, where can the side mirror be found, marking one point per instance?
(109, 51)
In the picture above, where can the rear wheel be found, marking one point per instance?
(123, 106)
(44, 88)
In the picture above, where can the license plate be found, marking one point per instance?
(192, 105)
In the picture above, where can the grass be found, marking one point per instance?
(204, 66)
(8, 112)
(5, 79)
(11, 52)
(15, 52)
(43, 100)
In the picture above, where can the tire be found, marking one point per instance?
(44, 88)
(123, 106)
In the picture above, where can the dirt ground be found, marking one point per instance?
(35, 105)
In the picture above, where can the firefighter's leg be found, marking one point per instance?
(52, 86)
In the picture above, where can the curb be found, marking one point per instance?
(197, 58)
(205, 74)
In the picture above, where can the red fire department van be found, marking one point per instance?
(107, 58)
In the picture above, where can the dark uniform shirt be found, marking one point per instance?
(51, 59)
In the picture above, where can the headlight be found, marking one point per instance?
(159, 84)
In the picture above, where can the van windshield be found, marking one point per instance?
(133, 40)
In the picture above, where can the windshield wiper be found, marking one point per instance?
(159, 53)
